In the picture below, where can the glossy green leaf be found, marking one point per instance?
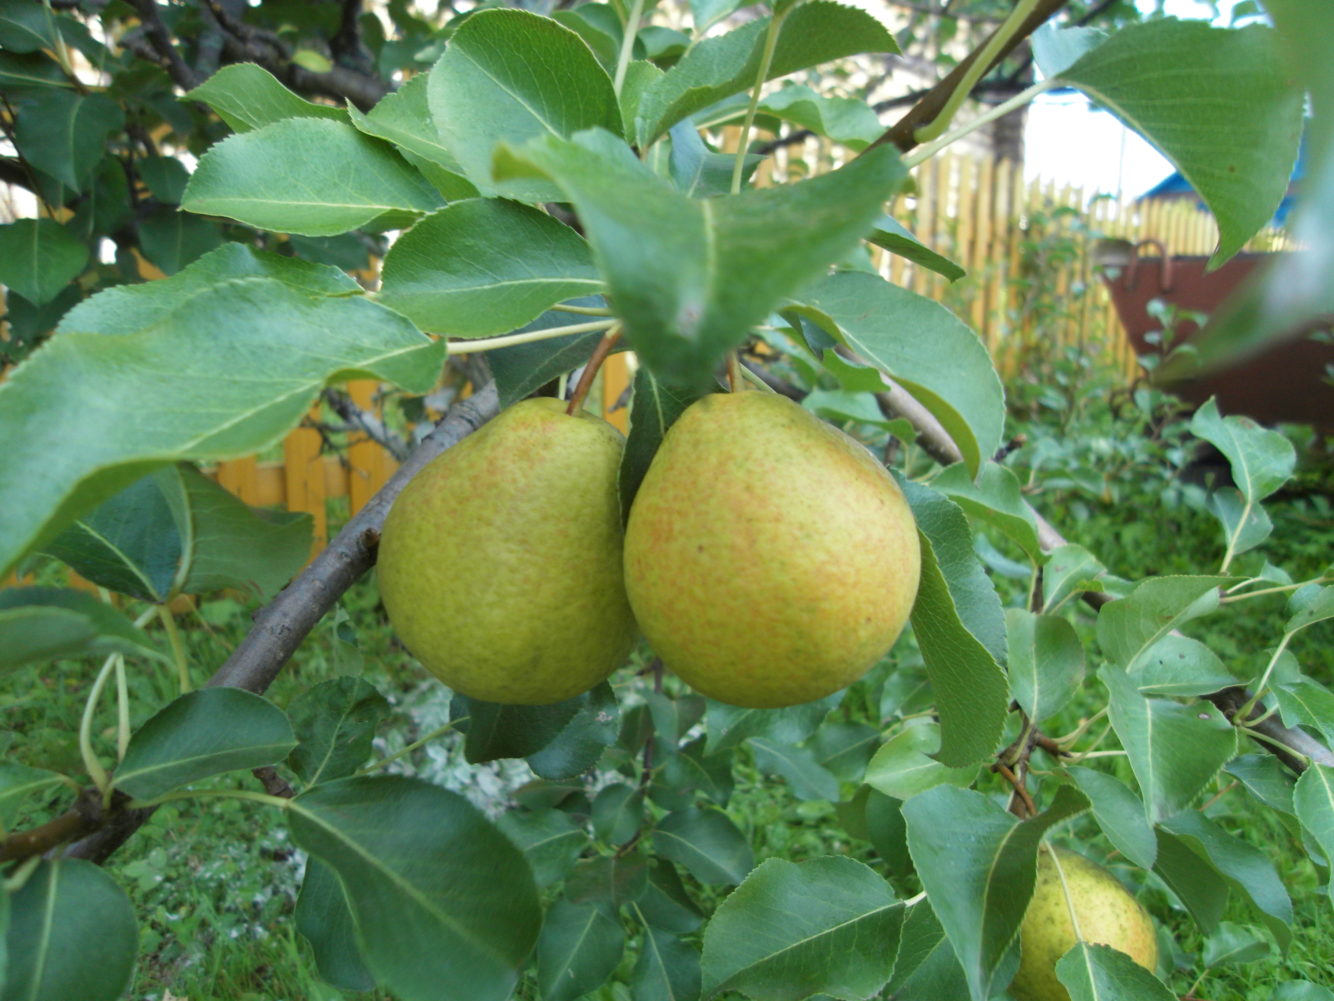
(579, 947)
(845, 748)
(1244, 867)
(175, 531)
(846, 120)
(522, 369)
(63, 134)
(818, 31)
(688, 770)
(979, 879)
(72, 934)
(1217, 102)
(1320, 608)
(444, 905)
(906, 763)
(1265, 778)
(1174, 750)
(165, 176)
(926, 968)
(922, 346)
(225, 373)
(39, 257)
(1130, 626)
(1192, 879)
(1120, 814)
(1245, 525)
(993, 497)
(1045, 662)
(805, 776)
(579, 744)
(893, 236)
(618, 813)
(654, 408)
(1070, 570)
(549, 839)
(508, 76)
(503, 731)
(1057, 49)
(1100, 973)
(1235, 944)
(309, 176)
(247, 96)
(1262, 460)
(681, 271)
(485, 266)
(404, 118)
(1306, 702)
(27, 27)
(960, 629)
(1302, 990)
(1178, 665)
(334, 723)
(666, 904)
(324, 916)
(619, 879)
(791, 930)
(200, 734)
(171, 239)
(667, 969)
(1313, 799)
(18, 784)
(40, 624)
(707, 843)
(727, 726)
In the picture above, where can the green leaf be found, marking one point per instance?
(994, 498)
(667, 969)
(1313, 800)
(845, 749)
(980, 879)
(926, 968)
(175, 531)
(334, 723)
(790, 930)
(893, 236)
(522, 369)
(1100, 973)
(324, 916)
(818, 31)
(1045, 662)
(618, 812)
(654, 408)
(72, 934)
(579, 948)
(1244, 867)
(921, 345)
(846, 120)
(960, 629)
(551, 841)
(171, 240)
(501, 731)
(1057, 49)
(582, 740)
(1245, 525)
(225, 373)
(1174, 750)
(806, 777)
(1120, 814)
(906, 764)
(1262, 460)
(30, 71)
(39, 257)
(200, 734)
(666, 904)
(508, 76)
(308, 176)
(165, 176)
(1130, 626)
(1302, 990)
(620, 879)
(403, 118)
(1216, 102)
(1306, 702)
(1181, 666)
(444, 905)
(681, 271)
(1235, 944)
(63, 134)
(707, 843)
(728, 726)
(1265, 779)
(26, 27)
(485, 266)
(247, 97)
(19, 783)
(1320, 608)
(689, 769)
(1070, 570)
(1192, 879)
(49, 623)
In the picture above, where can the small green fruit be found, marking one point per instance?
(769, 558)
(500, 563)
(1107, 913)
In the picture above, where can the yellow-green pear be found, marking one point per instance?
(500, 563)
(1105, 910)
(770, 559)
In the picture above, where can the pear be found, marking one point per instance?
(1106, 912)
(770, 559)
(500, 562)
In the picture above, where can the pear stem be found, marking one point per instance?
(591, 369)
(734, 378)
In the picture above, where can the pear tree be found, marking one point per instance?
(546, 187)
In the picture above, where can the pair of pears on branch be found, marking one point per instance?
(768, 558)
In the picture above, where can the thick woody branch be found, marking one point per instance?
(160, 40)
(283, 623)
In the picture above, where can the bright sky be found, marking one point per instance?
(1070, 142)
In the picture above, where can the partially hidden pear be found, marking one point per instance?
(770, 559)
(500, 562)
(1106, 912)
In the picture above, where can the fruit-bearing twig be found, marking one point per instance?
(591, 369)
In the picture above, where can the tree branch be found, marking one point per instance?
(161, 41)
(285, 621)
